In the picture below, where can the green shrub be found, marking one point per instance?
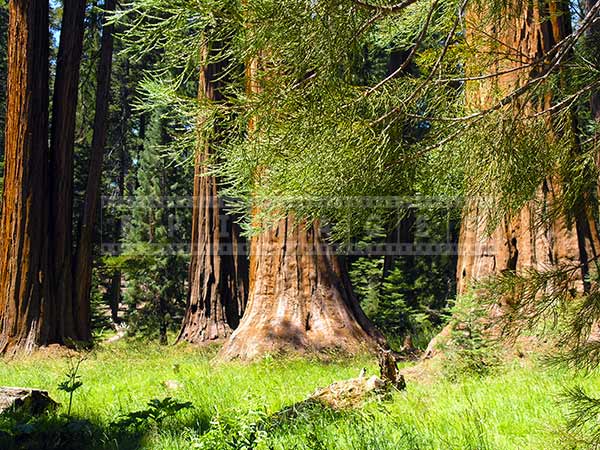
(469, 350)
(403, 302)
(242, 432)
(156, 412)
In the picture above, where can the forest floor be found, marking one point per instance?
(517, 407)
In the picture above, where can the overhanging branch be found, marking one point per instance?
(385, 9)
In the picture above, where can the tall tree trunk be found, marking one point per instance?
(27, 309)
(218, 275)
(300, 298)
(64, 108)
(3, 74)
(84, 254)
(519, 243)
(124, 166)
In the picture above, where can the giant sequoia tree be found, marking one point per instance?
(28, 311)
(218, 276)
(37, 306)
(325, 115)
(300, 298)
(64, 109)
(541, 234)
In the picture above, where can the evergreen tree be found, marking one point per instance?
(408, 296)
(154, 265)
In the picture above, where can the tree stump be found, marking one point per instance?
(25, 400)
(389, 369)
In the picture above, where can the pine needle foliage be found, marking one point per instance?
(337, 120)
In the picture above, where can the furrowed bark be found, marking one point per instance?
(218, 275)
(525, 33)
(520, 242)
(27, 308)
(64, 108)
(300, 299)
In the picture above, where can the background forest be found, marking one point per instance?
(211, 208)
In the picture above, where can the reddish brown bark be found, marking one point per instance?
(64, 108)
(300, 299)
(84, 255)
(523, 241)
(27, 310)
(218, 276)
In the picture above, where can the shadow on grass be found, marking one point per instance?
(307, 425)
(52, 431)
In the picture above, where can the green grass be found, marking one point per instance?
(517, 408)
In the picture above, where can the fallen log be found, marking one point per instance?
(25, 400)
(347, 394)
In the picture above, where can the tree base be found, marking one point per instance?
(300, 300)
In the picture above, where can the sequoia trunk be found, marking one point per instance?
(84, 255)
(521, 242)
(218, 275)
(64, 108)
(300, 299)
(27, 309)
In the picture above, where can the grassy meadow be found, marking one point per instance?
(518, 407)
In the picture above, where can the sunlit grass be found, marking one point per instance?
(516, 408)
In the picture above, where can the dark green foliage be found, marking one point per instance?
(469, 350)
(157, 411)
(48, 432)
(405, 302)
(53, 431)
(153, 261)
(407, 294)
(582, 418)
